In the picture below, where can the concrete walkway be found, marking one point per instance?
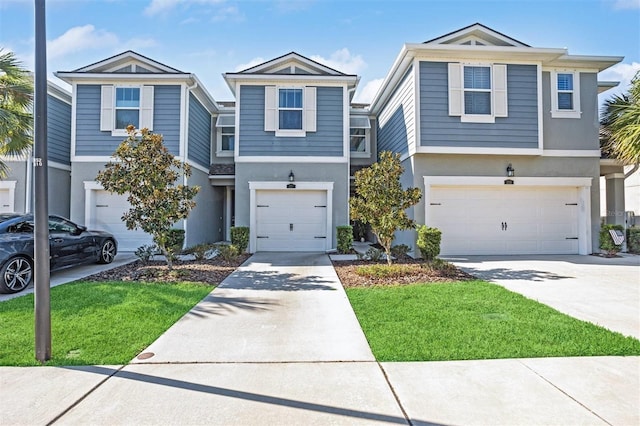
(278, 343)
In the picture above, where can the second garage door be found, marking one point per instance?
(108, 212)
(291, 220)
(505, 220)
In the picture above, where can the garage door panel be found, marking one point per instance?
(109, 209)
(538, 220)
(291, 220)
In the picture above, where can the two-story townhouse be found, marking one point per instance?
(501, 137)
(294, 133)
(16, 189)
(126, 89)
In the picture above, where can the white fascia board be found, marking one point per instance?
(58, 92)
(56, 165)
(397, 71)
(288, 78)
(101, 78)
(197, 166)
(292, 159)
(200, 89)
(603, 86)
(483, 151)
(499, 181)
(123, 58)
(600, 63)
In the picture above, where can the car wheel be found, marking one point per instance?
(16, 275)
(107, 252)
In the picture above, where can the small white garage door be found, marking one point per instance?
(505, 220)
(291, 220)
(108, 212)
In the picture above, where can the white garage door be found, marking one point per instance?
(291, 220)
(6, 204)
(505, 220)
(108, 212)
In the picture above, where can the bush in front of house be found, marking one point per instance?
(633, 240)
(345, 238)
(606, 241)
(228, 252)
(429, 242)
(240, 238)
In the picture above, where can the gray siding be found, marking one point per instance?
(199, 149)
(92, 142)
(572, 133)
(396, 126)
(58, 130)
(326, 141)
(518, 130)
(204, 224)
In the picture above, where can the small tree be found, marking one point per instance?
(380, 200)
(147, 172)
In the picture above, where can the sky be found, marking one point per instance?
(363, 37)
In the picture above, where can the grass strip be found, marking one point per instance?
(96, 322)
(474, 320)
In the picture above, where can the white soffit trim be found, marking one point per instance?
(487, 151)
(260, 159)
(283, 185)
(571, 153)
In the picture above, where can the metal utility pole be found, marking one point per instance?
(41, 210)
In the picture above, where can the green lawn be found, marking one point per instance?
(474, 320)
(96, 322)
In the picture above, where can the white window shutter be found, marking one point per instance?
(270, 109)
(146, 107)
(500, 108)
(309, 105)
(106, 109)
(455, 89)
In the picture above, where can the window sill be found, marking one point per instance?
(224, 153)
(119, 132)
(566, 114)
(291, 133)
(477, 118)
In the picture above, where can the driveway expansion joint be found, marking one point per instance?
(395, 395)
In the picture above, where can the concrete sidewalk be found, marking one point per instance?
(278, 343)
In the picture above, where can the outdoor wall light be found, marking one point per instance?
(291, 176)
(510, 171)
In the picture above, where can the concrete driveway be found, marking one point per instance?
(604, 291)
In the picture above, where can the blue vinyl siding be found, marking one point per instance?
(396, 123)
(518, 130)
(91, 141)
(199, 133)
(58, 130)
(327, 141)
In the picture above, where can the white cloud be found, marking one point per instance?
(230, 13)
(162, 6)
(80, 38)
(620, 72)
(251, 63)
(342, 60)
(626, 4)
(365, 93)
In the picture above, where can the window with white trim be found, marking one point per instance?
(359, 129)
(477, 92)
(565, 94)
(226, 134)
(290, 111)
(121, 106)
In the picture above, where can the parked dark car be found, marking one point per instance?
(69, 244)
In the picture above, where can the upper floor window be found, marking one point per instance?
(121, 106)
(226, 134)
(359, 136)
(477, 92)
(290, 111)
(127, 107)
(565, 96)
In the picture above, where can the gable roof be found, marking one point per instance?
(112, 63)
(477, 31)
(288, 68)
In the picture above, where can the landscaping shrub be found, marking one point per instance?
(345, 238)
(374, 254)
(240, 238)
(400, 251)
(144, 253)
(228, 251)
(199, 251)
(633, 240)
(382, 270)
(429, 242)
(606, 241)
(442, 266)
